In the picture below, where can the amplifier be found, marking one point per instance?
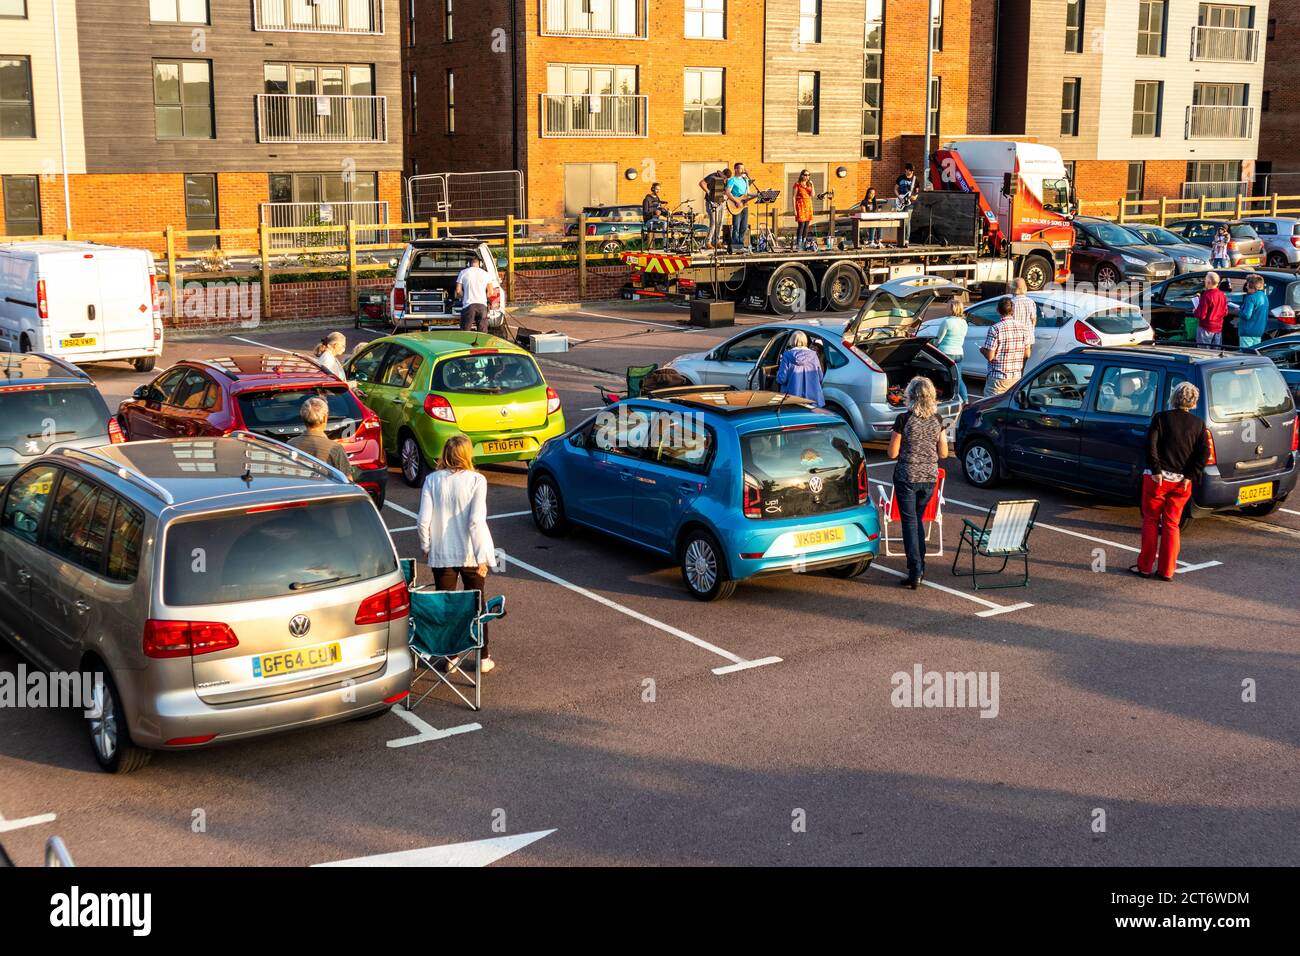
(709, 314)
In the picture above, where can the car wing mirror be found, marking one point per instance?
(142, 392)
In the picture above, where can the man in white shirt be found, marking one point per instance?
(474, 286)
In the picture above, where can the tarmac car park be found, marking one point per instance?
(1113, 695)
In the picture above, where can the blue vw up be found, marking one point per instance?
(732, 484)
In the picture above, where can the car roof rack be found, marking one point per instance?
(297, 456)
(98, 460)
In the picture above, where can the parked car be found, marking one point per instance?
(1066, 320)
(429, 386)
(205, 581)
(621, 224)
(1187, 256)
(1281, 237)
(199, 398)
(1107, 255)
(866, 360)
(1170, 304)
(730, 483)
(1080, 421)
(47, 403)
(80, 301)
(1284, 352)
(1245, 248)
(424, 286)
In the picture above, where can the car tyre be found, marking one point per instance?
(1107, 276)
(704, 569)
(841, 288)
(611, 246)
(145, 363)
(110, 740)
(1278, 260)
(787, 292)
(979, 463)
(846, 571)
(1037, 272)
(548, 507)
(411, 461)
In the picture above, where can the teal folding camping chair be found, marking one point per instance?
(446, 628)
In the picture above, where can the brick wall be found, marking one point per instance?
(1106, 181)
(1279, 128)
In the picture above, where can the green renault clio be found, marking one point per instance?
(428, 386)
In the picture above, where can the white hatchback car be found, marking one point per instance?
(1066, 320)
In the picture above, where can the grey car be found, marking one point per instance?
(216, 589)
(866, 360)
(1281, 238)
(45, 403)
(1245, 248)
(1108, 254)
(1187, 256)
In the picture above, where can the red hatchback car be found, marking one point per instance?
(200, 398)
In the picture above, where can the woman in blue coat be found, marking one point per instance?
(800, 371)
(1252, 318)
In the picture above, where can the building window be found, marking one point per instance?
(936, 98)
(318, 79)
(1270, 32)
(1070, 106)
(810, 21)
(17, 117)
(182, 99)
(410, 22)
(178, 11)
(1151, 27)
(1264, 101)
(620, 18)
(703, 101)
(872, 78)
(809, 103)
(1074, 14)
(936, 24)
(1069, 169)
(13, 8)
(316, 188)
(201, 209)
(451, 101)
(415, 103)
(1137, 177)
(449, 31)
(22, 205)
(706, 19)
(589, 184)
(1214, 179)
(1146, 107)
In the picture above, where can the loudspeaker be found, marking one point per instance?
(712, 315)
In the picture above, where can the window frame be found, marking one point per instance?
(810, 22)
(1146, 6)
(176, 6)
(1070, 115)
(873, 144)
(450, 90)
(936, 105)
(30, 102)
(703, 10)
(1077, 11)
(9, 221)
(936, 25)
(1142, 181)
(448, 21)
(16, 16)
(1155, 113)
(180, 64)
(202, 242)
(814, 109)
(702, 107)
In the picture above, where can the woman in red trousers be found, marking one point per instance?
(1177, 450)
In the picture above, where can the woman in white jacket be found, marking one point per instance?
(453, 526)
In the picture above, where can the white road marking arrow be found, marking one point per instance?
(474, 853)
(426, 731)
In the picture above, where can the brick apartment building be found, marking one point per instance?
(595, 99)
(200, 114)
(1278, 168)
(1144, 98)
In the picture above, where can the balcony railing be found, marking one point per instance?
(319, 16)
(616, 19)
(1225, 44)
(1220, 122)
(599, 116)
(298, 118)
(306, 215)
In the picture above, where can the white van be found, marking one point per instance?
(80, 301)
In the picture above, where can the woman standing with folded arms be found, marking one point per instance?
(453, 526)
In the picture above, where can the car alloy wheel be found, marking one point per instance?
(412, 461)
(979, 466)
(103, 726)
(701, 566)
(1107, 277)
(546, 506)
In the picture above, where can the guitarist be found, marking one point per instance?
(907, 187)
(740, 192)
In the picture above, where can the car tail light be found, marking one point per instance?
(399, 298)
(862, 356)
(753, 500)
(1084, 333)
(153, 299)
(42, 303)
(1295, 241)
(371, 427)
(1232, 245)
(388, 605)
(435, 406)
(115, 434)
(164, 639)
(552, 401)
(1295, 435)
(1212, 458)
(863, 486)
(1285, 314)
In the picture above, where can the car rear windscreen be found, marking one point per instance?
(1243, 232)
(805, 470)
(1237, 393)
(278, 412)
(49, 415)
(1118, 321)
(490, 374)
(248, 556)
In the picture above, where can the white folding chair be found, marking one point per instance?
(1004, 534)
(932, 518)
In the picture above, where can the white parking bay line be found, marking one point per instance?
(426, 731)
(1288, 511)
(7, 825)
(992, 609)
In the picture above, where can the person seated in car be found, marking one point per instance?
(316, 415)
(1135, 396)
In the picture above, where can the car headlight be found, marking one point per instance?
(1135, 262)
(1189, 260)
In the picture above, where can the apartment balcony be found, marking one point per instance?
(319, 16)
(611, 19)
(1225, 45)
(1220, 122)
(298, 118)
(609, 116)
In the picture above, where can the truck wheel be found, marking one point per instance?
(1037, 272)
(841, 287)
(787, 291)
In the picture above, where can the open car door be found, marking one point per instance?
(762, 377)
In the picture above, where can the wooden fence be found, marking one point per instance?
(1163, 211)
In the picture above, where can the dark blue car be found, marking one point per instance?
(1079, 420)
